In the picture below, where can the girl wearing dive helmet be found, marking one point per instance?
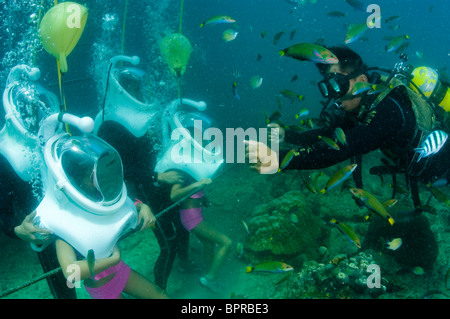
(95, 171)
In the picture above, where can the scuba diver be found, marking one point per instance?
(26, 105)
(373, 115)
(124, 123)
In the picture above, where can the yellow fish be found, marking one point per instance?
(218, 20)
(275, 267)
(372, 203)
(287, 159)
(329, 142)
(339, 177)
(347, 231)
(340, 135)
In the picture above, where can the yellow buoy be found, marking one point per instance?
(61, 28)
(176, 50)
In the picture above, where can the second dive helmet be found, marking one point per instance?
(26, 105)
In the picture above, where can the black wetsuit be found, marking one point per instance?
(139, 161)
(17, 201)
(390, 125)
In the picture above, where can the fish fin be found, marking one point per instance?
(421, 151)
(282, 52)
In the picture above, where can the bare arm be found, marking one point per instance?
(67, 257)
(179, 191)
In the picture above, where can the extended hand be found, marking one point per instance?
(276, 135)
(261, 157)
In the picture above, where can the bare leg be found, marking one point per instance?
(208, 234)
(140, 287)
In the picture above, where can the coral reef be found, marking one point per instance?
(342, 277)
(284, 226)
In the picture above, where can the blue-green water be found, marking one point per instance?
(237, 194)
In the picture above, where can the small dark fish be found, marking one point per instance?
(294, 78)
(263, 34)
(259, 57)
(283, 279)
(393, 18)
(309, 185)
(440, 196)
(277, 37)
(234, 90)
(291, 36)
(91, 262)
(279, 103)
(356, 4)
(337, 14)
(394, 27)
(273, 117)
(291, 95)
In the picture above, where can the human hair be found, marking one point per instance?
(349, 61)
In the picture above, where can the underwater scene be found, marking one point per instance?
(332, 227)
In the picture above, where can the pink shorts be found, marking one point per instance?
(113, 288)
(191, 217)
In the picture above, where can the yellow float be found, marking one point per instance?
(61, 28)
(176, 50)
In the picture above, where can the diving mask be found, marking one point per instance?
(336, 85)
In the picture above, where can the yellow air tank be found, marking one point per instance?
(61, 28)
(176, 50)
(428, 81)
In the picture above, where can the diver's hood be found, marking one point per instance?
(85, 201)
(125, 99)
(185, 150)
(26, 105)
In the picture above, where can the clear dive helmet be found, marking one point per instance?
(92, 167)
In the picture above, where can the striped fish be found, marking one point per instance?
(432, 144)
